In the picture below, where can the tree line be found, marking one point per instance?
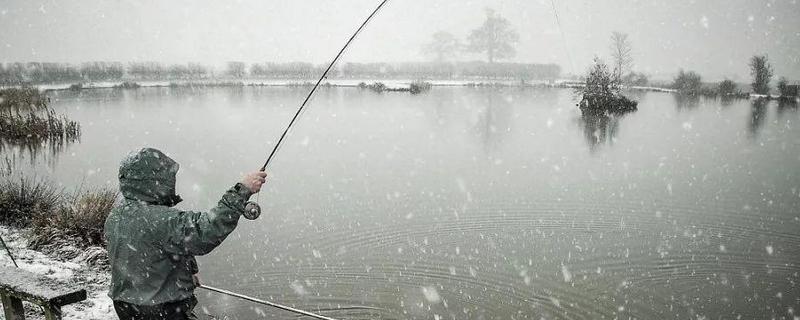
(761, 72)
(45, 72)
(687, 82)
(52, 72)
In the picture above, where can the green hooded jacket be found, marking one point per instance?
(152, 245)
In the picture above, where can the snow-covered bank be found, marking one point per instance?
(75, 271)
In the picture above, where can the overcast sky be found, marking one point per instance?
(713, 37)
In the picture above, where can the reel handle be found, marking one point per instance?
(251, 210)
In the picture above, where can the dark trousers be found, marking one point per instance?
(178, 310)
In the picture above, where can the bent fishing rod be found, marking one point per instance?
(253, 210)
(316, 85)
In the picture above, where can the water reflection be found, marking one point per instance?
(599, 129)
(727, 101)
(37, 148)
(686, 101)
(758, 114)
(494, 121)
(36, 134)
(785, 105)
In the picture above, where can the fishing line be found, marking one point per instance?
(252, 210)
(563, 37)
(266, 303)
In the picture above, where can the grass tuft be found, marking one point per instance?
(53, 215)
(80, 216)
(22, 198)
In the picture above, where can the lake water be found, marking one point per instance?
(472, 203)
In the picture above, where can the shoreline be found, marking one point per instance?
(56, 265)
(391, 85)
(341, 83)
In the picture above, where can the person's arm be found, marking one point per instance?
(197, 233)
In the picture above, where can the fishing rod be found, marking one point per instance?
(252, 209)
(313, 89)
(563, 37)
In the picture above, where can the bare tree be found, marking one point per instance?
(442, 47)
(621, 54)
(495, 37)
(761, 71)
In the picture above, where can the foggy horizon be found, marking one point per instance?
(714, 38)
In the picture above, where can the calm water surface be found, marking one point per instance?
(468, 203)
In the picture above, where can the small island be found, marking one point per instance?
(601, 94)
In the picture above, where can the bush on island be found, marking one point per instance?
(601, 94)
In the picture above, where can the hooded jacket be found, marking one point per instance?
(152, 245)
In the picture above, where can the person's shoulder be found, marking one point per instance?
(133, 210)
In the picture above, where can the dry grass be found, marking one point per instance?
(55, 216)
(80, 216)
(21, 199)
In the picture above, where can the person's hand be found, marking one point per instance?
(254, 181)
(196, 280)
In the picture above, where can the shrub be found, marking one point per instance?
(636, 79)
(727, 88)
(601, 94)
(127, 85)
(786, 90)
(418, 87)
(783, 87)
(376, 87)
(687, 83)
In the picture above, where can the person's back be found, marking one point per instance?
(152, 245)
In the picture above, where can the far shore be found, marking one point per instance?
(401, 85)
(343, 83)
(391, 83)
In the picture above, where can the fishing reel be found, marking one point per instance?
(251, 210)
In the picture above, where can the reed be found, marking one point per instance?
(25, 118)
(23, 99)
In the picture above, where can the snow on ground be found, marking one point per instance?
(93, 279)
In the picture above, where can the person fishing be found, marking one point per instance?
(152, 245)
